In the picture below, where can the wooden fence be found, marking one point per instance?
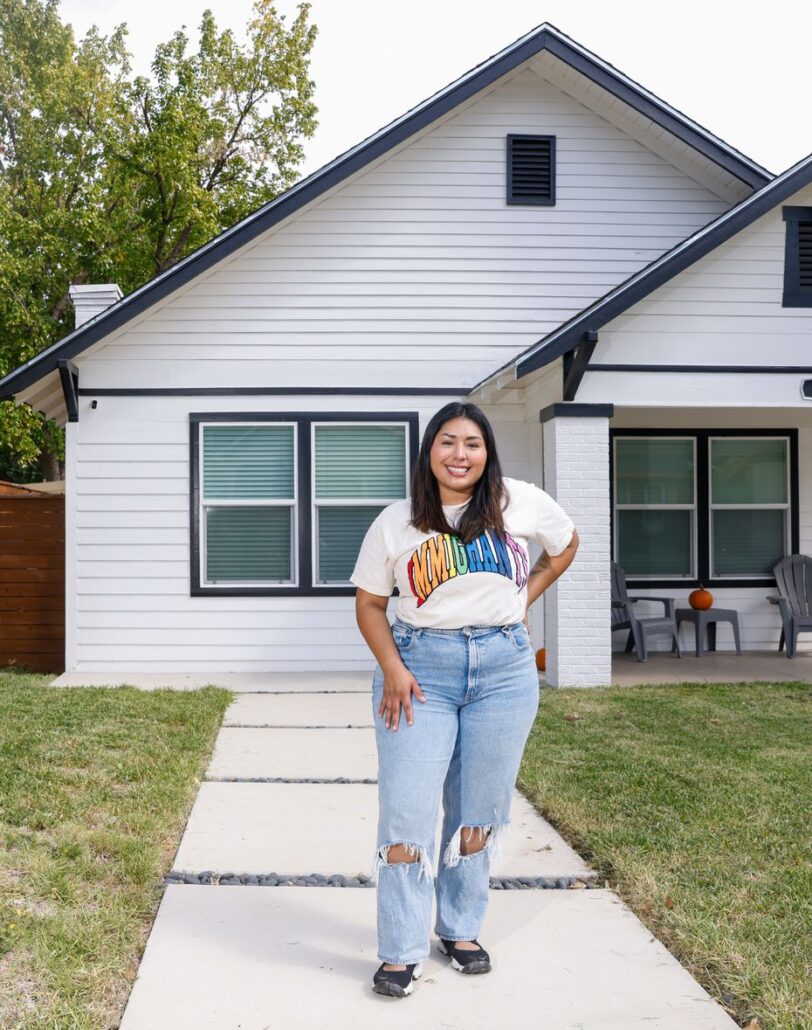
(32, 582)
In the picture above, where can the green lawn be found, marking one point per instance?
(693, 801)
(95, 788)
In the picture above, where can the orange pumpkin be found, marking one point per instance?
(541, 659)
(700, 599)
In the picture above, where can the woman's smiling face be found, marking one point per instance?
(458, 458)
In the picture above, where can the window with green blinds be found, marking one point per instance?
(702, 505)
(249, 544)
(358, 471)
(248, 500)
(275, 511)
(244, 461)
(655, 506)
(360, 461)
(654, 471)
(749, 489)
(341, 532)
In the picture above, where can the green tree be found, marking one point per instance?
(109, 178)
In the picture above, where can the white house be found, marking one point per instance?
(627, 297)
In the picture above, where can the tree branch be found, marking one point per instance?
(175, 253)
(227, 151)
(59, 308)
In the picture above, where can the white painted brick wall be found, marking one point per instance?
(577, 622)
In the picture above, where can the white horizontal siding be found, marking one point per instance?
(724, 309)
(128, 538)
(417, 271)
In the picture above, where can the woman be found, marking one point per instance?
(457, 551)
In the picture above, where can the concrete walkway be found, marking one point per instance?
(661, 667)
(229, 953)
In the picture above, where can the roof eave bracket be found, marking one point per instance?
(576, 363)
(69, 375)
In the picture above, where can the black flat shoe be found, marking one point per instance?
(466, 960)
(396, 983)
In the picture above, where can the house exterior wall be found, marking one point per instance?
(416, 272)
(413, 274)
(724, 310)
(128, 540)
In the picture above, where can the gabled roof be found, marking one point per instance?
(660, 271)
(545, 37)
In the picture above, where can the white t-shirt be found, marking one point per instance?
(445, 584)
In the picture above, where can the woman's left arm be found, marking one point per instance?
(548, 568)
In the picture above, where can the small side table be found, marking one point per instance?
(705, 621)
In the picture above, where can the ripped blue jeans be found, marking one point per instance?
(465, 745)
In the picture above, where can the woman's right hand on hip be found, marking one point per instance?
(398, 686)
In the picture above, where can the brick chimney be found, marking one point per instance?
(90, 299)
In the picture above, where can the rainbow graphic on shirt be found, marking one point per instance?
(444, 556)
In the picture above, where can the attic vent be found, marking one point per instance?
(798, 258)
(805, 255)
(530, 169)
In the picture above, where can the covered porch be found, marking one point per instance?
(714, 667)
(679, 496)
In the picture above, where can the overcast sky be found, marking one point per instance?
(744, 77)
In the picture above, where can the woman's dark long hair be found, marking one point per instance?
(485, 508)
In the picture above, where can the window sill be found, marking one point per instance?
(693, 584)
(286, 591)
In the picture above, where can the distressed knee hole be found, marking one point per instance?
(471, 840)
(401, 853)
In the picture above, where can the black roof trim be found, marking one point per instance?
(569, 409)
(603, 74)
(543, 37)
(759, 370)
(272, 391)
(664, 268)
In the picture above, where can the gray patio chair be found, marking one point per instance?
(793, 577)
(623, 617)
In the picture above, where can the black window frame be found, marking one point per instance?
(303, 421)
(703, 509)
(794, 295)
(526, 201)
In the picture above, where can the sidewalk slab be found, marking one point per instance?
(222, 958)
(295, 753)
(304, 828)
(239, 682)
(354, 709)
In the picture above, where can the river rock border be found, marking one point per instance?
(497, 883)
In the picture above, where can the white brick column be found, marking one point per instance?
(577, 623)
